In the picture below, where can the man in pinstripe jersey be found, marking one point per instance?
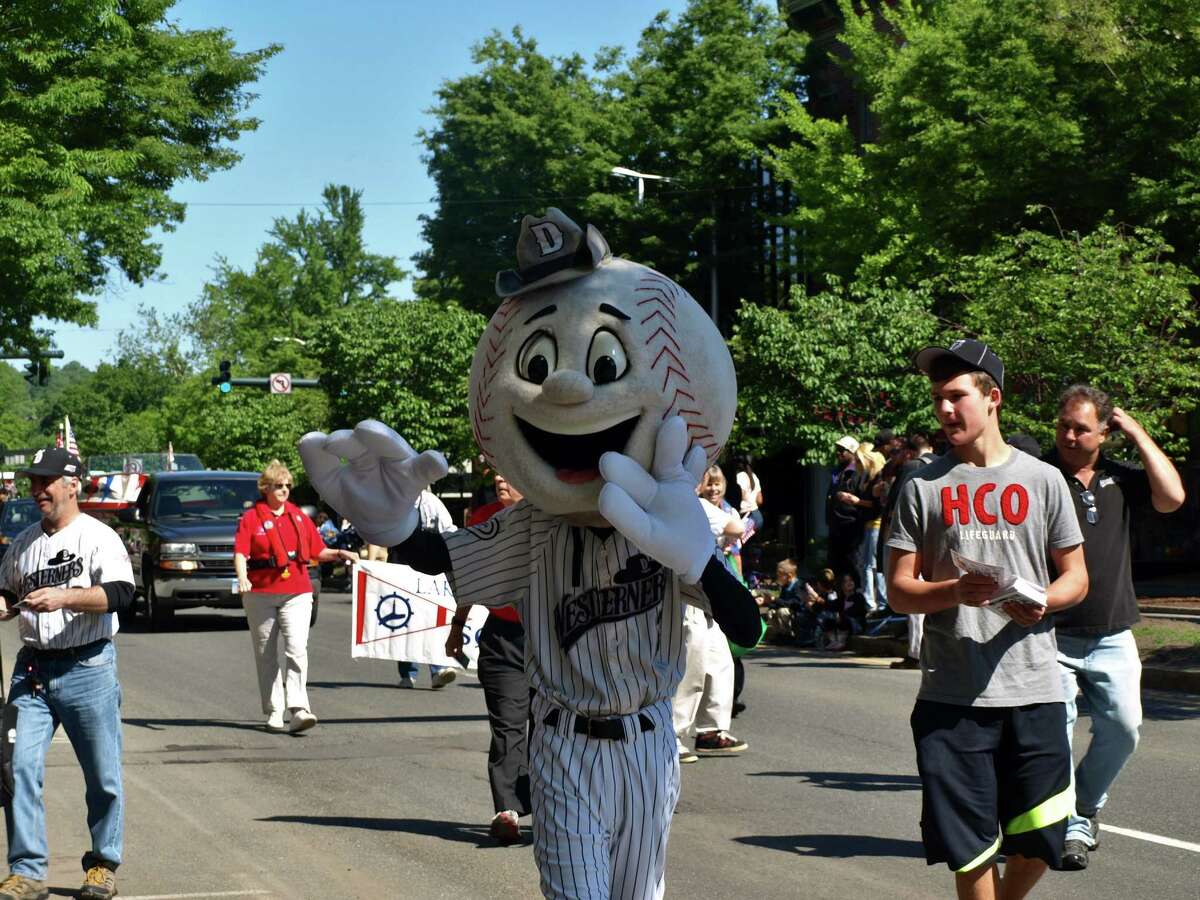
(66, 576)
(602, 391)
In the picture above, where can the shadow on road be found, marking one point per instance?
(163, 724)
(850, 781)
(1168, 706)
(466, 833)
(338, 685)
(835, 846)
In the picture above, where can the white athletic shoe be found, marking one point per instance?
(407, 682)
(302, 720)
(275, 723)
(443, 678)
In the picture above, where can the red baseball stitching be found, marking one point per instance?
(500, 322)
(665, 295)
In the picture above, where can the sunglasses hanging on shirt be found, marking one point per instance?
(1089, 507)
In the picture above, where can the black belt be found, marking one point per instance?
(56, 652)
(608, 729)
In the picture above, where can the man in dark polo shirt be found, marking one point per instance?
(1096, 650)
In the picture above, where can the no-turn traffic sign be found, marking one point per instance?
(281, 383)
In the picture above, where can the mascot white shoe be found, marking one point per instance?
(602, 391)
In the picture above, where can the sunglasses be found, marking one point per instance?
(282, 485)
(1089, 507)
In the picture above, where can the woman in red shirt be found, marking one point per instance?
(274, 546)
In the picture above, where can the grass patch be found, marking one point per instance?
(1154, 634)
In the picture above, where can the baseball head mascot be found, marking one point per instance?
(602, 391)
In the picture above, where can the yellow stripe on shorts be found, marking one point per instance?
(981, 858)
(1045, 813)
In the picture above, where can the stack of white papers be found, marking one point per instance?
(1010, 588)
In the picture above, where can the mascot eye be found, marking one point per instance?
(538, 357)
(606, 357)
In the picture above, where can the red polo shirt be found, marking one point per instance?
(252, 542)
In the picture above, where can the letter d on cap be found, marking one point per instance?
(549, 237)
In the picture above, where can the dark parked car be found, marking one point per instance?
(180, 539)
(15, 517)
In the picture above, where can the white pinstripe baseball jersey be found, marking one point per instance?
(84, 554)
(603, 622)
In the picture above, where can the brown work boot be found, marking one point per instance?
(18, 887)
(100, 883)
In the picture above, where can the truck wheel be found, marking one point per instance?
(160, 615)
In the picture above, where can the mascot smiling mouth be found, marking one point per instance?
(575, 458)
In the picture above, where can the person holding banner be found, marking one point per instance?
(505, 690)
(434, 517)
(271, 553)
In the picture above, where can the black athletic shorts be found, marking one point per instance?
(994, 780)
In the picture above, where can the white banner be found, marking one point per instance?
(402, 614)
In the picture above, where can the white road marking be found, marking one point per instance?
(1153, 838)
(199, 895)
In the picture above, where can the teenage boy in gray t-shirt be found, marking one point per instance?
(989, 719)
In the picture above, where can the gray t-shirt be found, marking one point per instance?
(1009, 515)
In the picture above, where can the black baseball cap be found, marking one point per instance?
(54, 461)
(970, 356)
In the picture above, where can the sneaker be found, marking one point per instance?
(1075, 856)
(506, 827)
(275, 723)
(18, 887)
(302, 720)
(407, 682)
(718, 743)
(100, 883)
(1094, 828)
(687, 756)
(443, 678)
(906, 663)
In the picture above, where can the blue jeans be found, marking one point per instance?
(871, 580)
(81, 693)
(1109, 672)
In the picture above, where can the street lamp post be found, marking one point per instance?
(641, 177)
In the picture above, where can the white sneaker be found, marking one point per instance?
(302, 720)
(275, 723)
(443, 678)
(407, 682)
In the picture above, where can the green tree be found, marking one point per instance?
(525, 131)
(986, 107)
(1108, 308)
(406, 364)
(310, 268)
(829, 364)
(104, 106)
(17, 423)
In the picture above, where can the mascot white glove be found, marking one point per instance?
(378, 486)
(659, 510)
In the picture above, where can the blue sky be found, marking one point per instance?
(342, 103)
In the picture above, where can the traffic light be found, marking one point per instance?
(222, 381)
(36, 372)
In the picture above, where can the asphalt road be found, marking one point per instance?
(388, 796)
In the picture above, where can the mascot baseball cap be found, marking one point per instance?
(964, 356)
(54, 461)
(552, 249)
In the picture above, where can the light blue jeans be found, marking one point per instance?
(81, 693)
(410, 669)
(1108, 671)
(871, 580)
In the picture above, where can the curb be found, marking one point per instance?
(1153, 677)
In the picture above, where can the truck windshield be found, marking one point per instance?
(212, 499)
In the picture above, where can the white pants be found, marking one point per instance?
(704, 698)
(271, 615)
(916, 630)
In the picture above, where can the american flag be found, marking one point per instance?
(72, 447)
